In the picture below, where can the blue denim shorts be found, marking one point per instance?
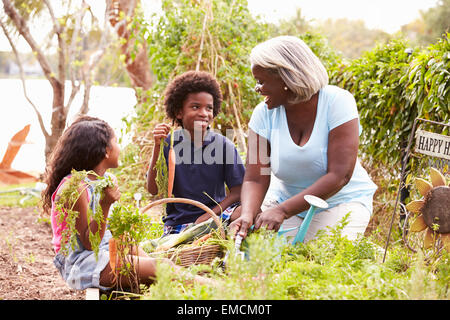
(80, 269)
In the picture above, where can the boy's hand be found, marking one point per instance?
(161, 131)
(202, 218)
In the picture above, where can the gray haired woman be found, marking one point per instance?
(303, 139)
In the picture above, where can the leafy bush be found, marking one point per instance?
(392, 89)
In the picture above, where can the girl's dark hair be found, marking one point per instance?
(82, 146)
(186, 83)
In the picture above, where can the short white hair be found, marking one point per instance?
(299, 68)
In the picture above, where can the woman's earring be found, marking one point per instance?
(285, 88)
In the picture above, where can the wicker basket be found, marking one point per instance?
(193, 255)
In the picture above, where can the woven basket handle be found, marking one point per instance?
(188, 201)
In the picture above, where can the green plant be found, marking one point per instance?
(129, 228)
(329, 267)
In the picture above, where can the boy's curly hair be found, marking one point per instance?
(186, 83)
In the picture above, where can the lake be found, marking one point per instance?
(108, 103)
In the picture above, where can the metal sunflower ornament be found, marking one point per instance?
(432, 211)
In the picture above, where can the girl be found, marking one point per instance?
(88, 144)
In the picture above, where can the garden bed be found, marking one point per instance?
(26, 259)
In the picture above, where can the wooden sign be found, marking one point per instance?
(433, 144)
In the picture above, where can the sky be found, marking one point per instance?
(387, 15)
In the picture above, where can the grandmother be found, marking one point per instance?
(303, 139)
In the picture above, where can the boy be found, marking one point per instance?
(205, 161)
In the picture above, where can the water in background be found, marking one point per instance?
(108, 103)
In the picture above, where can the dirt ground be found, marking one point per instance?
(26, 259)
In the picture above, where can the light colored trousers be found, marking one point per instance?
(358, 220)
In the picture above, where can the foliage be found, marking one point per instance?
(322, 49)
(429, 81)
(161, 178)
(295, 25)
(392, 89)
(374, 81)
(348, 37)
(437, 22)
(352, 37)
(126, 222)
(330, 267)
(129, 228)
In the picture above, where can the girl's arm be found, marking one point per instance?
(159, 134)
(111, 195)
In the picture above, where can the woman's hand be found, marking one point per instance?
(241, 225)
(271, 218)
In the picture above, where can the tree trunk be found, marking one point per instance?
(58, 119)
(138, 68)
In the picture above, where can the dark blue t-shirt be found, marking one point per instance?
(205, 169)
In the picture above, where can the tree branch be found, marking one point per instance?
(71, 55)
(22, 77)
(62, 45)
(22, 27)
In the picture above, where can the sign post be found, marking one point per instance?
(427, 143)
(433, 144)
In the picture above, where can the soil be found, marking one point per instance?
(26, 258)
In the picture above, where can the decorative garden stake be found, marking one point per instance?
(436, 145)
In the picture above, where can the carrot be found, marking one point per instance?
(112, 254)
(202, 239)
(171, 167)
